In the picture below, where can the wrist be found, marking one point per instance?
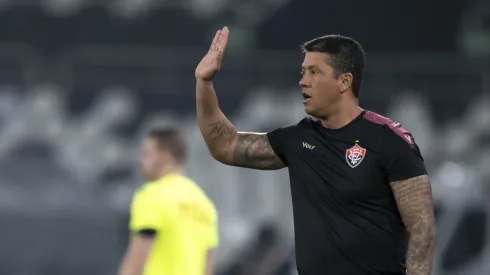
(202, 81)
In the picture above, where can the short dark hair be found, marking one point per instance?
(169, 138)
(345, 55)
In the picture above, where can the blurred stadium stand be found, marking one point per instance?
(79, 88)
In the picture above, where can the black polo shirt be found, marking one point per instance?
(345, 216)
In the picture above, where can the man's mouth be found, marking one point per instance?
(305, 97)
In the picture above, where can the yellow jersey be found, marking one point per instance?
(185, 220)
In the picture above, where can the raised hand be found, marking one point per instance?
(211, 62)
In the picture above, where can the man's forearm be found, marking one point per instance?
(206, 99)
(414, 199)
(217, 130)
(421, 249)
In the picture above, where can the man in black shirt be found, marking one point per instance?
(362, 200)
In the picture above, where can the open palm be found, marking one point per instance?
(211, 62)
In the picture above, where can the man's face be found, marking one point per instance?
(320, 87)
(152, 158)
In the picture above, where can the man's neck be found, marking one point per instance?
(179, 170)
(342, 117)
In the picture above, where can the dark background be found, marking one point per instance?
(79, 87)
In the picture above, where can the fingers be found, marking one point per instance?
(220, 40)
(214, 44)
(223, 39)
(222, 43)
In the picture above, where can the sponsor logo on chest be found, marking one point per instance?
(308, 146)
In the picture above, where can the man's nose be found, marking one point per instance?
(303, 83)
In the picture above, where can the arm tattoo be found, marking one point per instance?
(221, 129)
(252, 150)
(255, 151)
(414, 200)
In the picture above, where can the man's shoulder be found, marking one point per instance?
(190, 193)
(189, 188)
(148, 192)
(145, 188)
(387, 128)
(161, 187)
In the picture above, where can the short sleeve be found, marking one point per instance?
(279, 140)
(214, 235)
(212, 232)
(145, 212)
(402, 157)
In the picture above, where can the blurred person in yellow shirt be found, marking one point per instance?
(173, 223)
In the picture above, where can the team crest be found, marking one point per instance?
(355, 155)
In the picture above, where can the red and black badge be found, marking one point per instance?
(355, 155)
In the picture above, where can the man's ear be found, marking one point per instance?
(165, 156)
(345, 82)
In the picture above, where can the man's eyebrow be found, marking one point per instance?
(309, 67)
